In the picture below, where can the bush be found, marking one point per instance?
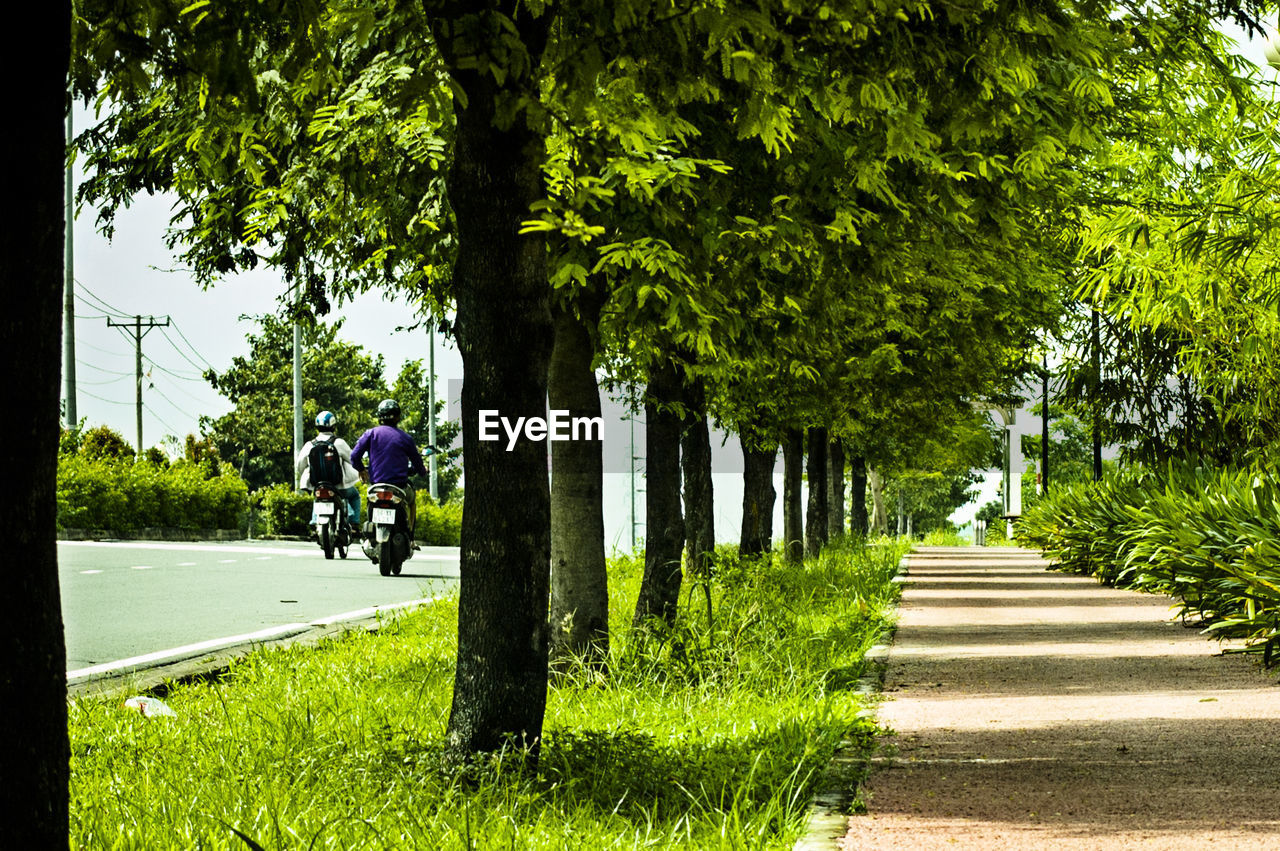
(439, 525)
(113, 493)
(1210, 538)
(284, 511)
(103, 442)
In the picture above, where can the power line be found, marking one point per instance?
(183, 355)
(101, 304)
(193, 398)
(80, 343)
(101, 399)
(100, 369)
(151, 386)
(81, 382)
(193, 348)
(199, 379)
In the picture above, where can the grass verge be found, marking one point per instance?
(711, 736)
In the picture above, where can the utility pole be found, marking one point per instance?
(138, 333)
(297, 387)
(1096, 356)
(69, 300)
(1044, 425)
(431, 408)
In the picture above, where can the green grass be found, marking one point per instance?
(716, 745)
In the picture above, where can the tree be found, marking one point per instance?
(34, 760)
(579, 582)
(337, 376)
(104, 442)
(943, 160)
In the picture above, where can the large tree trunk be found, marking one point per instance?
(879, 520)
(792, 510)
(34, 760)
(504, 335)
(858, 497)
(835, 490)
(815, 531)
(695, 462)
(758, 496)
(579, 581)
(664, 523)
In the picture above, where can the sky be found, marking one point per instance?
(135, 274)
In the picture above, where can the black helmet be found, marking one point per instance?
(388, 412)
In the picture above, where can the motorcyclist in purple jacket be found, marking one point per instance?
(393, 456)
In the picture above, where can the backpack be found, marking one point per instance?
(325, 464)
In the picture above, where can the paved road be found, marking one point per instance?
(126, 599)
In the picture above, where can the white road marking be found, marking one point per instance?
(88, 572)
(215, 643)
(143, 567)
(186, 564)
(372, 610)
(227, 561)
(185, 650)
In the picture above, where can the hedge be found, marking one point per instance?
(119, 495)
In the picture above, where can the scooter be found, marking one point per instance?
(332, 530)
(388, 543)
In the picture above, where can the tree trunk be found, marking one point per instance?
(664, 524)
(879, 520)
(504, 335)
(34, 760)
(758, 496)
(695, 461)
(792, 513)
(815, 531)
(858, 497)
(835, 490)
(579, 580)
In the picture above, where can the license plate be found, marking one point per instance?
(324, 509)
(384, 515)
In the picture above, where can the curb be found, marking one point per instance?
(830, 806)
(192, 663)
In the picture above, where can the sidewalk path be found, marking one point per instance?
(1035, 709)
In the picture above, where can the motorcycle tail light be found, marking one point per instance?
(324, 493)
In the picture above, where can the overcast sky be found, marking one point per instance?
(133, 274)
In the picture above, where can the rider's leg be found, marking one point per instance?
(352, 498)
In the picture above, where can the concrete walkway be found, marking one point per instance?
(1034, 709)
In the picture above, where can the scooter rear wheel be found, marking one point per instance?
(386, 558)
(326, 539)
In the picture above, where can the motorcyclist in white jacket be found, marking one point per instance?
(326, 423)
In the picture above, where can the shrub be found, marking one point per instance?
(116, 494)
(284, 511)
(1210, 538)
(439, 525)
(102, 442)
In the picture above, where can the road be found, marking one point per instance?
(122, 600)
